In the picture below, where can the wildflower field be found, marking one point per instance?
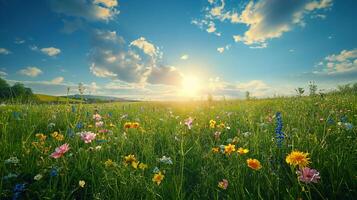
(282, 148)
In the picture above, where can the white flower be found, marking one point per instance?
(38, 177)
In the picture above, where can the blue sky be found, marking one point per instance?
(180, 48)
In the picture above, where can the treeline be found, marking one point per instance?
(17, 93)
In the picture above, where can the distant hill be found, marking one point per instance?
(96, 98)
(49, 98)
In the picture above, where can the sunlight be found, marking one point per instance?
(190, 86)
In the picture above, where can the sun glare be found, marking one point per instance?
(190, 86)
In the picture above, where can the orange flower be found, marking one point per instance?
(158, 177)
(298, 158)
(254, 164)
(215, 149)
(135, 125)
(230, 148)
(127, 125)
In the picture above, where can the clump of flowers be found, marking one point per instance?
(223, 184)
(308, 175)
(41, 137)
(60, 151)
(158, 177)
(128, 125)
(99, 124)
(130, 159)
(230, 148)
(278, 130)
(254, 164)
(188, 122)
(110, 163)
(88, 137)
(242, 151)
(298, 158)
(57, 136)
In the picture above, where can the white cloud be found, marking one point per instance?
(2, 74)
(31, 71)
(253, 85)
(184, 57)
(33, 48)
(137, 63)
(144, 45)
(94, 10)
(19, 41)
(57, 80)
(344, 62)
(51, 51)
(220, 49)
(4, 51)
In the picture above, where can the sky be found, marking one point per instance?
(178, 49)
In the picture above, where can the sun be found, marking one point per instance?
(190, 86)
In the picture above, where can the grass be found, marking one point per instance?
(311, 124)
(48, 98)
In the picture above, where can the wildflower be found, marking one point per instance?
(221, 125)
(54, 172)
(308, 175)
(18, 189)
(97, 117)
(135, 125)
(98, 147)
(41, 136)
(247, 134)
(127, 125)
(242, 151)
(79, 125)
(87, 137)
(112, 125)
(298, 158)
(230, 148)
(212, 123)
(129, 158)
(155, 170)
(223, 184)
(278, 130)
(81, 183)
(188, 122)
(158, 177)
(135, 164)
(254, 164)
(143, 166)
(109, 163)
(57, 136)
(60, 151)
(12, 160)
(38, 177)
(215, 149)
(99, 123)
(348, 126)
(166, 160)
(217, 134)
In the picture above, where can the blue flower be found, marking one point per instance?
(348, 126)
(330, 121)
(79, 125)
(54, 172)
(343, 119)
(278, 130)
(18, 189)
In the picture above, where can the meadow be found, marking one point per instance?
(281, 148)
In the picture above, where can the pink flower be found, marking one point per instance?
(188, 122)
(223, 184)
(308, 175)
(97, 117)
(103, 131)
(59, 151)
(87, 137)
(99, 124)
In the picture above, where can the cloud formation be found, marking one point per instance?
(139, 62)
(344, 62)
(264, 19)
(4, 51)
(57, 80)
(30, 71)
(184, 57)
(50, 51)
(92, 10)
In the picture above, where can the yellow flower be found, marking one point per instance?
(298, 158)
(215, 149)
(221, 125)
(90, 126)
(143, 166)
(254, 164)
(127, 125)
(135, 125)
(81, 183)
(54, 134)
(212, 123)
(134, 164)
(242, 151)
(130, 158)
(111, 125)
(158, 177)
(59, 137)
(41, 136)
(228, 149)
(109, 163)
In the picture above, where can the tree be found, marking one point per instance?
(247, 95)
(4, 89)
(312, 88)
(300, 91)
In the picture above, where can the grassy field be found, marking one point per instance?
(181, 150)
(48, 98)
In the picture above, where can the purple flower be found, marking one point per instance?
(188, 122)
(308, 175)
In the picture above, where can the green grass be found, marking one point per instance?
(196, 170)
(48, 98)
